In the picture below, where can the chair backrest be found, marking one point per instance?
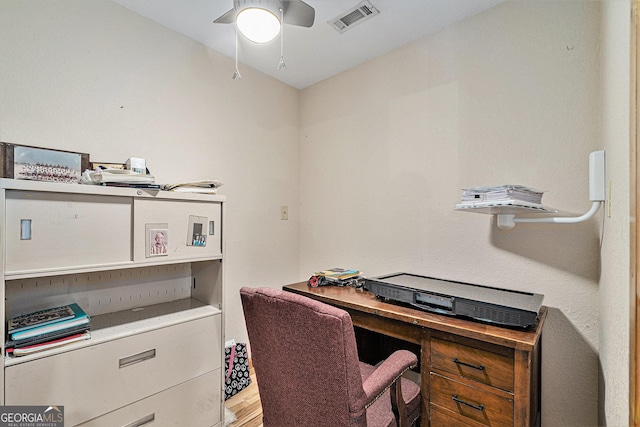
(305, 358)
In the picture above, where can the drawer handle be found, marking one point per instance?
(137, 358)
(458, 362)
(471, 405)
(142, 421)
(25, 229)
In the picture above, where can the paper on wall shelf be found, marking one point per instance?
(502, 193)
(503, 199)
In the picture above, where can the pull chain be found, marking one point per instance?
(236, 73)
(281, 64)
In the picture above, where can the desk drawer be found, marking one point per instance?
(440, 417)
(95, 380)
(479, 365)
(470, 403)
(196, 403)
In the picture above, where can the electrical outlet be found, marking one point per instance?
(284, 213)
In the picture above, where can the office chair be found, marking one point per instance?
(307, 369)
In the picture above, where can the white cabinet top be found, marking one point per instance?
(54, 187)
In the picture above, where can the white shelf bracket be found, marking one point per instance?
(597, 194)
(508, 221)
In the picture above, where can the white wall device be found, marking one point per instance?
(597, 194)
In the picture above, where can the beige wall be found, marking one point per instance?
(372, 161)
(616, 304)
(512, 95)
(93, 77)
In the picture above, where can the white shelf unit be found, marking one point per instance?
(156, 350)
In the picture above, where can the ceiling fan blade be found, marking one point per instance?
(227, 18)
(297, 12)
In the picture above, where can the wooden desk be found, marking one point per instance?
(471, 373)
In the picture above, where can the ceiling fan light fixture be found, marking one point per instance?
(261, 21)
(258, 24)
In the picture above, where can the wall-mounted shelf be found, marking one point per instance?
(506, 210)
(504, 207)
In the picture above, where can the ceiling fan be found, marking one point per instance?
(253, 16)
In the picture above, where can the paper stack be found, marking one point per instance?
(124, 178)
(502, 193)
(501, 197)
(119, 178)
(206, 187)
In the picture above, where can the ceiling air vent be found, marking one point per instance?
(354, 16)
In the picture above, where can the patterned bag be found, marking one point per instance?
(236, 368)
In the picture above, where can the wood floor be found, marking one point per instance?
(246, 405)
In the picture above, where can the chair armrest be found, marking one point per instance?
(386, 374)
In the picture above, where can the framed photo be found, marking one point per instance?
(157, 243)
(41, 164)
(197, 231)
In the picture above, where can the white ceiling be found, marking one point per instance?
(316, 53)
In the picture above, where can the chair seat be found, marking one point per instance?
(379, 414)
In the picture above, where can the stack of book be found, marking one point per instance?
(337, 277)
(45, 329)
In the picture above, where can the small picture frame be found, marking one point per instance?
(157, 243)
(197, 231)
(41, 164)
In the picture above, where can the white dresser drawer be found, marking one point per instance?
(174, 216)
(58, 230)
(98, 379)
(196, 403)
